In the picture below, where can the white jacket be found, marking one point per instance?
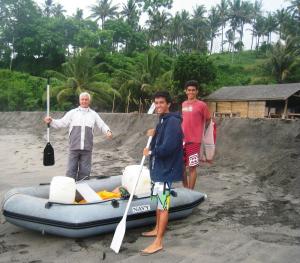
(81, 123)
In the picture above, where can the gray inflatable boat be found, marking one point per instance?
(29, 208)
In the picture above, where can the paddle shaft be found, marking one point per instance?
(48, 110)
(137, 180)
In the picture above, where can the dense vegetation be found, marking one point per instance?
(122, 62)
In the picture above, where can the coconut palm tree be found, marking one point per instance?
(131, 13)
(48, 5)
(235, 15)
(213, 22)
(245, 17)
(58, 10)
(158, 23)
(281, 17)
(294, 8)
(178, 28)
(270, 26)
(283, 57)
(230, 40)
(259, 29)
(223, 13)
(137, 84)
(81, 74)
(199, 32)
(256, 11)
(102, 10)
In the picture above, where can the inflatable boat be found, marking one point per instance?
(29, 207)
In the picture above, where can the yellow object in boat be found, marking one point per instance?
(104, 195)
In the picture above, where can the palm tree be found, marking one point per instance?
(223, 13)
(245, 17)
(81, 74)
(58, 10)
(281, 17)
(230, 39)
(199, 32)
(102, 10)
(78, 14)
(295, 10)
(259, 29)
(48, 5)
(235, 15)
(214, 23)
(283, 57)
(270, 26)
(178, 28)
(131, 13)
(158, 23)
(256, 11)
(137, 85)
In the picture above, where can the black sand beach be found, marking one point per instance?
(252, 213)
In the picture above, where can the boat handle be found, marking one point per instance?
(115, 203)
(173, 193)
(48, 205)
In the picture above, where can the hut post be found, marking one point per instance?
(284, 115)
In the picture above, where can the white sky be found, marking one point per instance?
(268, 5)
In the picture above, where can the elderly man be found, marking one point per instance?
(81, 122)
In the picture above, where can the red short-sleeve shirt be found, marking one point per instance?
(194, 114)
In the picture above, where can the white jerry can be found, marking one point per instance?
(129, 176)
(62, 190)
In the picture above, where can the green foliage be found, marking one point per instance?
(122, 62)
(20, 91)
(193, 67)
(283, 58)
(79, 75)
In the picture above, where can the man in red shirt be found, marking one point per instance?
(196, 117)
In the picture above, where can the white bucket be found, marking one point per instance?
(129, 176)
(62, 190)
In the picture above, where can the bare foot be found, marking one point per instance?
(151, 233)
(153, 248)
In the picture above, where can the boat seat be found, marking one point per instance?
(87, 193)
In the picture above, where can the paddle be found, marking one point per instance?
(48, 151)
(121, 228)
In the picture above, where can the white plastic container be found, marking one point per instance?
(62, 190)
(129, 176)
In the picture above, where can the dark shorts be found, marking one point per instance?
(191, 154)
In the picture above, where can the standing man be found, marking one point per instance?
(166, 165)
(196, 117)
(81, 122)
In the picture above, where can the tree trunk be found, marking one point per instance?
(252, 39)
(222, 43)
(113, 106)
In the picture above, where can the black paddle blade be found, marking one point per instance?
(48, 155)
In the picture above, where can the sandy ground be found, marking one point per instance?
(252, 213)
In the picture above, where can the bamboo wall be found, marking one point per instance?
(256, 109)
(243, 109)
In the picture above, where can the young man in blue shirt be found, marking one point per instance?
(166, 165)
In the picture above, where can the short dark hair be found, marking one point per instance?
(163, 94)
(193, 83)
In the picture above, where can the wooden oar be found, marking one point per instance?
(121, 228)
(48, 150)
